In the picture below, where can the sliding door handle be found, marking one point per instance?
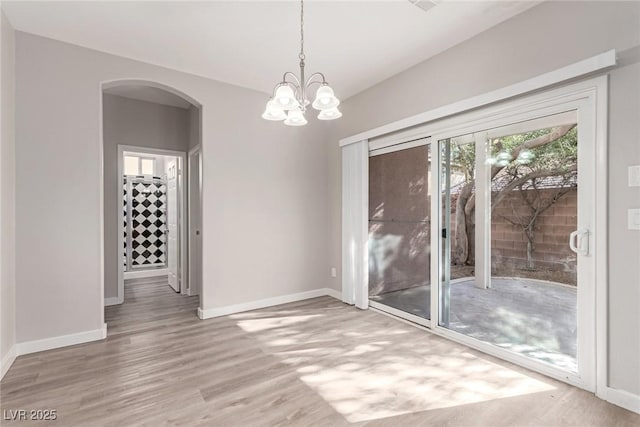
(579, 241)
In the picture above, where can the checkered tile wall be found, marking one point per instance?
(145, 219)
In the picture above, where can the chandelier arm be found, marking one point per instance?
(296, 86)
(310, 81)
(300, 97)
(273, 92)
(296, 83)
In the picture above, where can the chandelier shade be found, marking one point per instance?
(289, 100)
(325, 98)
(284, 98)
(330, 114)
(272, 112)
(295, 118)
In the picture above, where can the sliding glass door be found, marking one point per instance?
(482, 227)
(400, 229)
(513, 238)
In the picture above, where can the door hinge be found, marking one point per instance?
(444, 233)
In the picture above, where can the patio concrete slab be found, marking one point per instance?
(530, 317)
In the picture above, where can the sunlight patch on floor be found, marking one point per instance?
(260, 325)
(385, 390)
(366, 373)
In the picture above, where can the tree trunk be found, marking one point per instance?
(471, 236)
(530, 265)
(460, 249)
(530, 233)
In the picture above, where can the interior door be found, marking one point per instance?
(195, 224)
(173, 219)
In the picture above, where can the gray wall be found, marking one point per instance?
(542, 39)
(264, 190)
(144, 124)
(624, 244)
(194, 127)
(7, 191)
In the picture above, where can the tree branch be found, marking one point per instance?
(544, 173)
(555, 134)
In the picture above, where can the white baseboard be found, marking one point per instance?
(145, 273)
(7, 361)
(61, 341)
(334, 293)
(622, 398)
(264, 303)
(113, 301)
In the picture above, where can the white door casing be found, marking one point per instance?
(195, 222)
(180, 205)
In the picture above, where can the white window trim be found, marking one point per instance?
(575, 70)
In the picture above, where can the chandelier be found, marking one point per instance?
(289, 100)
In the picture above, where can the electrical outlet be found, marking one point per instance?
(634, 176)
(634, 219)
(334, 272)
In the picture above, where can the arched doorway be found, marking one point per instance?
(151, 142)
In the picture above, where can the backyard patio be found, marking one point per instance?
(531, 317)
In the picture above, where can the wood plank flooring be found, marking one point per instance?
(311, 363)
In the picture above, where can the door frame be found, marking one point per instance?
(590, 98)
(191, 193)
(182, 201)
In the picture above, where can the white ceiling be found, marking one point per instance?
(356, 44)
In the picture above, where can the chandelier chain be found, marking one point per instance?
(301, 56)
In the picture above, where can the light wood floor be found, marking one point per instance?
(311, 363)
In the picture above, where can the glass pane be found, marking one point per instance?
(147, 166)
(529, 304)
(399, 230)
(534, 194)
(458, 216)
(131, 165)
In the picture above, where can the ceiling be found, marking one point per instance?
(356, 44)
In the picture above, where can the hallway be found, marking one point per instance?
(148, 302)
